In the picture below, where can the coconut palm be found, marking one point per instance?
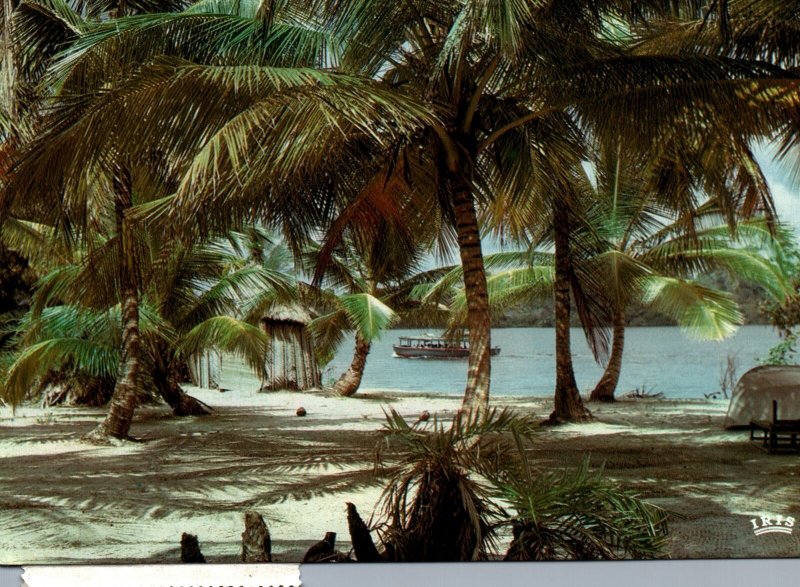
(473, 61)
(466, 91)
(123, 174)
(359, 309)
(38, 30)
(648, 257)
(33, 31)
(192, 302)
(369, 278)
(638, 254)
(762, 31)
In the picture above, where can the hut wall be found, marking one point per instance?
(206, 369)
(291, 362)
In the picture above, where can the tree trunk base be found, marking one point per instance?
(360, 537)
(100, 436)
(182, 403)
(346, 386)
(256, 541)
(190, 406)
(190, 549)
(602, 397)
(580, 416)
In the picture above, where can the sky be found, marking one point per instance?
(786, 195)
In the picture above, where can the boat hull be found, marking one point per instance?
(405, 352)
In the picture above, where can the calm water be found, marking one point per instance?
(660, 358)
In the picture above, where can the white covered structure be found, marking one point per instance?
(754, 393)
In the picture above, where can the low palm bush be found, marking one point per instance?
(579, 515)
(453, 486)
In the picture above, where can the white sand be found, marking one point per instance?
(85, 530)
(44, 524)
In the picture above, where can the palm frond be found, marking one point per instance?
(88, 356)
(700, 311)
(578, 515)
(368, 315)
(231, 335)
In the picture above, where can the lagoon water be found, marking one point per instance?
(660, 359)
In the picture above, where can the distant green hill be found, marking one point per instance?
(750, 297)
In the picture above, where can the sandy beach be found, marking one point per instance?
(64, 501)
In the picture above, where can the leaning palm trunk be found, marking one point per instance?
(348, 384)
(166, 381)
(605, 388)
(568, 404)
(125, 397)
(476, 394)
(182, 403)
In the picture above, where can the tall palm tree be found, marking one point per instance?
(446, 100)
(488, 72)
(125, 174)
(686, 173)
(44, 28)
(648, 256)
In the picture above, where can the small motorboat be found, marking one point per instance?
(433, 347)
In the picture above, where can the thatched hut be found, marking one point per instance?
(291, 362)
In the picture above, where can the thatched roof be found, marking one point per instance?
(287, 313)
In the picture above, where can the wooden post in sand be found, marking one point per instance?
(256, 541)
(190, 549)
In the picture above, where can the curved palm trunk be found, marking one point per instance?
(568, 404)
(605, 388)
(166, 382)
(348, 384)
(476, 393)
(182, 403)
(125, 397)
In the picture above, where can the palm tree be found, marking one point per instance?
(42, 29)
(685, 174)
(447, 102)
(487, 72)
(648, 256)
(369, 277)
(358, 309)
(578, 515)
(633, 252)
(113, 172)
(192, 301)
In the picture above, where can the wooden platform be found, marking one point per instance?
(776, 435)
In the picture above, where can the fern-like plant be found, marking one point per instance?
(454, 485)
(576, 515)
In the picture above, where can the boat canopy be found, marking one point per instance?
(431, 342)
